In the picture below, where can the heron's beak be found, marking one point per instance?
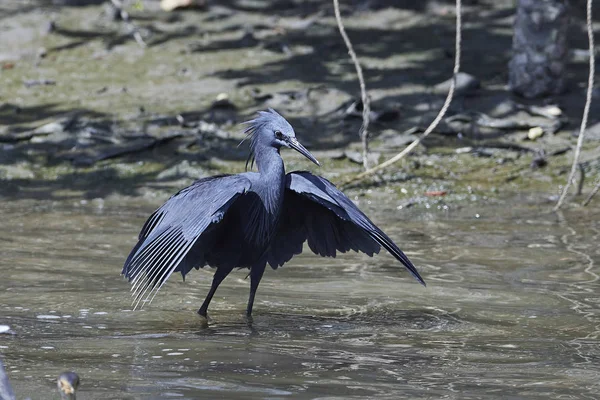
(295, 144)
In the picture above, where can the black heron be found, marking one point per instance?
(251, 219)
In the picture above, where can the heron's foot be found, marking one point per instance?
(203, 322)
(203, 318)
(249, 319)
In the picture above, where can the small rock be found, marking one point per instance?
(580, 55)
(399, 141)
(258, 95)
(386, 114)
(466, 85)
(249, 40)
(222, 101)
(52, 127)
(554, 110)
(407, 204)
(484, 152)
(17, 171)
(463, 150)
(56, 137)
(550, 111)
(331, 154)
(535, 133)
(592, 132)
(356, 157)
(539, 160)
(37, 82)
(171, 5)
(183, 169)
(50, 27)
(212, 129)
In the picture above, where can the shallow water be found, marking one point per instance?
(511, 310)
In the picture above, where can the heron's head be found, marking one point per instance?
(271, 129)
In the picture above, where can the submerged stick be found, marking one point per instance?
(586, 108)
(363, 133)
(437, 119)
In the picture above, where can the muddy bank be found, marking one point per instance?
(86, 112)
(96, 131)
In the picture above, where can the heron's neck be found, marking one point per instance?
(269, 163)
(272, 174)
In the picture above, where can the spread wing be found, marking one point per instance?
(314, 210)
(172, 230)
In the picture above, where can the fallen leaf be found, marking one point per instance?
(436, 193)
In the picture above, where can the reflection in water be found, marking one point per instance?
(511, 310)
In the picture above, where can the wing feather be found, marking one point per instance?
(171, 232)
(316, 211)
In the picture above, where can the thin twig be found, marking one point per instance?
(581, 181)
(586, 109)
(592, 194)
(363, 133)
(440, 115)
(118, 4)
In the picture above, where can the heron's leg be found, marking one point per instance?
(256, 274)
(218, 277)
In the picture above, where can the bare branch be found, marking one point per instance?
(440, 115)
(363, 133)
(586, 109)
(592, 194)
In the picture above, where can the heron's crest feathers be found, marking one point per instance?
(259, 129)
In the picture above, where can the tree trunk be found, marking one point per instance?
(537, 67)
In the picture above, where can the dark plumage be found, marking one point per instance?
(251, 219)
